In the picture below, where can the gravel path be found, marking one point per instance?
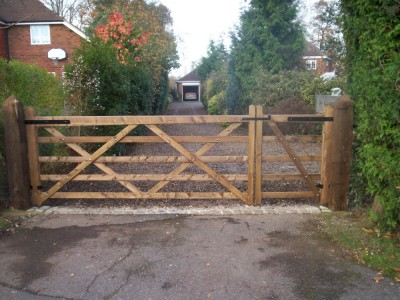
(147, 149)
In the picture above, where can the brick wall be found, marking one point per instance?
(22, 50)
(3, 52)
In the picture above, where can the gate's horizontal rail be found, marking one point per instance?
(288, 195)
(179, 195)
(144, 159)
(180, 139)
(173, 159)
(169, 195)
(156, 120)
(172, 177)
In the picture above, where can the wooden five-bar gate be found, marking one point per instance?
(330, 186)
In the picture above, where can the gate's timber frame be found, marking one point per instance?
(310, 179)
(336, 154)
(187, 159)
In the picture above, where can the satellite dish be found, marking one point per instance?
(56, 54)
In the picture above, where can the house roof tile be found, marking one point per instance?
(26, 11)
(312, 50)
(192, 76)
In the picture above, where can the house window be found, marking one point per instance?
(311, 64)
(40, 34)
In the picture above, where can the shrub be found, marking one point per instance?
(268, 89)
(372, 34)
(217, 104)
(317, 86)
(294, 105)
(215, 83)
(33, 87)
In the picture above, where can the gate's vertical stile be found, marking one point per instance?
(33, 156)
(326, 155)
(251, 155)
(258, 155)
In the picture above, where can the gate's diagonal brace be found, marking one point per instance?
(101, 166)
(281, 138)
(203, 150)
(195, 160)
(78, 169)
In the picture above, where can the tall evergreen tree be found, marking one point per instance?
(270, 36)
(233, 91)
(270, 39)
(216, 56)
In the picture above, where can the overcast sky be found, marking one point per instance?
(196, 22)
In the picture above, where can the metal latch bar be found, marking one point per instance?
(310, 119)
(47, 122)
(268, 118)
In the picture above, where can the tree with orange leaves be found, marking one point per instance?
(129, 57)
(123, 36)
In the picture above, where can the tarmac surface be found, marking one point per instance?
(266, 255)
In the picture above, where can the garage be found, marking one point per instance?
(189, 87)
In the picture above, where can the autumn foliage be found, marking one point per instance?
(131, 51)
(123, 36)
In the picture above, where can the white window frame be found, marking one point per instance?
(44, 37)
(311, 64)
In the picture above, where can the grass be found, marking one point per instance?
(11, 217)
(357, 236)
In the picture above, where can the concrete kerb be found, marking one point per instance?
(215, 210)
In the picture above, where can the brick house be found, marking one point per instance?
(32, 33)
(316, 60)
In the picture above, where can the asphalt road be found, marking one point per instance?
(180, 257)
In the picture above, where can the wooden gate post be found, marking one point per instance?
(337, 145)
(16, 153)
